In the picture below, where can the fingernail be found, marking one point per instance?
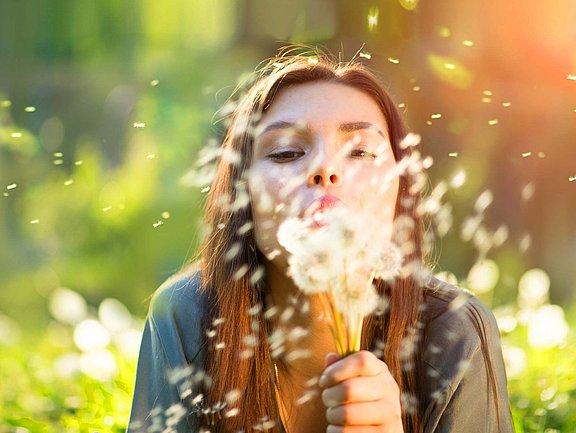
(322, 381)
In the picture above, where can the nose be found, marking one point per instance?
(326, 174)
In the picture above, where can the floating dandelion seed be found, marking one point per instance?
(416, 88)
(373, 18)
(528, 191)
(526, 154)
(241, 272)
(468, 43)
(365, 55)
(453, 154)
(506, 104)
(483, 201)
(394, 60)
(458, 179)
(35, 221)
(79, 162)
(157, 223)
(541, 155)
(58, 162)
(107, 208)
(436, 116)
(16, 135)
(444, 32)
(139, 125)
(401, 105)
(68, 182)
(571, 77)
(525, 243)
(11, 186)
(486, 100)
(493, 122)
(450, 66)
(154, 83)
(165, 215)
(487, 92)
(5, 103)
(150, 156)
(571, 178)
(205, 189)
(30, 109)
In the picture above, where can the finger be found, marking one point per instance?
(364, 414)
(362, 363)
(355, 390)
(330, 359)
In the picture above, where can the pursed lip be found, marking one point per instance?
(321, 204)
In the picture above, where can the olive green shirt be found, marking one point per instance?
(453, 372)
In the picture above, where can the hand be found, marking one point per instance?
(360, 395)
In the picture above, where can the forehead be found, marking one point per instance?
(323, 104)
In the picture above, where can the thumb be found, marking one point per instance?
(330, 359)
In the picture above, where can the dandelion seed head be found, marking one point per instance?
(99, 364)
(547, 327)
(114, 315)
(533, 288)
(67, 306)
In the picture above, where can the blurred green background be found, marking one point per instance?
(104, 106)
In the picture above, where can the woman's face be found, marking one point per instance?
(320, 145)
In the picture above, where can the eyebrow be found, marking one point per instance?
(343, 127)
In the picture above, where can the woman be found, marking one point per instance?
(233, 345)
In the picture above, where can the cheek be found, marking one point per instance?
(378, 204)
(268, 207)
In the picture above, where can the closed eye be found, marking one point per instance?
(286, 155)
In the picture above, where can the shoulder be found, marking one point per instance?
(177, 295)
(176, 311)
(456, 325)
(462, 371)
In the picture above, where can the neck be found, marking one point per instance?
(301, 322)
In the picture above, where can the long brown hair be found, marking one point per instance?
(234, 284)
